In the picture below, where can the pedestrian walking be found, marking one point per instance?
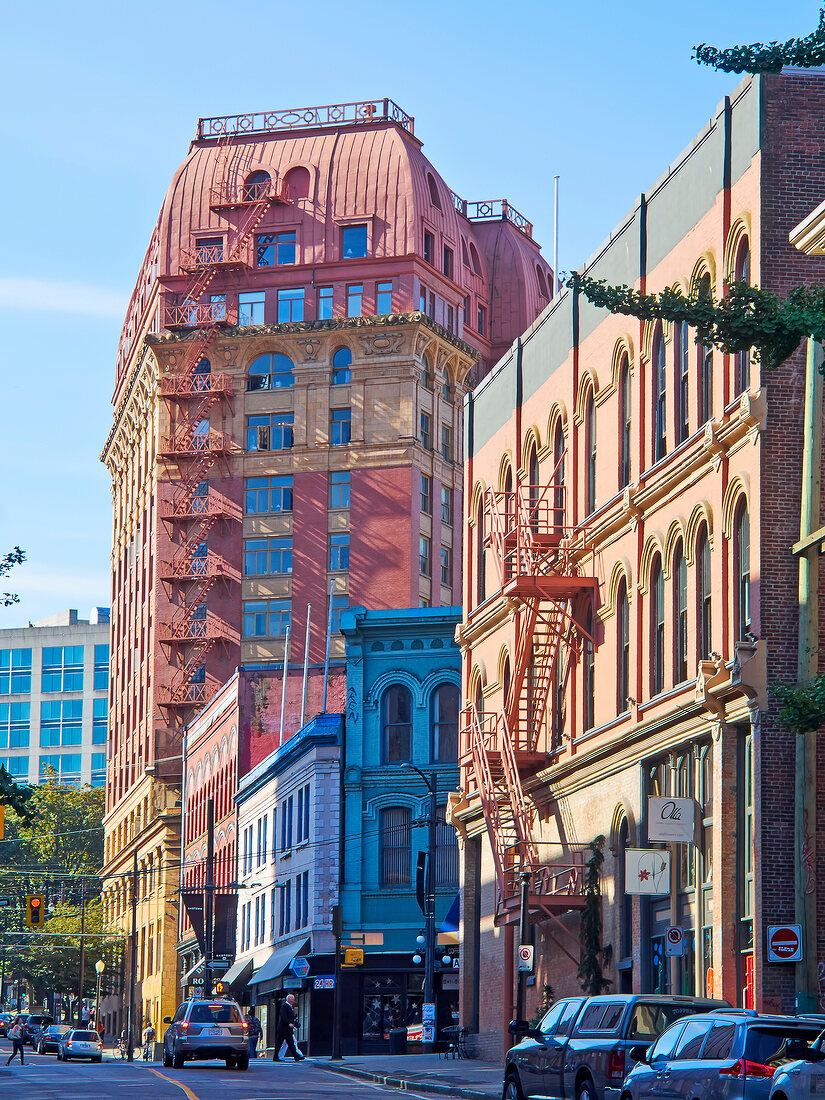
(16, 1036)
(287, 1026)
(254, 1032)
(149, 1036)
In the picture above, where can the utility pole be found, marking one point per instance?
(82, 950)
(209, 899)
(130, 1040)
(428, 1015)
(337, 1002)
(523, 929)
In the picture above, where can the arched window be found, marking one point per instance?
(427, 373)
(475, 259)
(703, 595)
(589, 674)
(534, 486)
(622, 648)
(624, 423)
(446, 389)
(657, 627)
(342, 367)
(256, 186)
(542, 281)
(680, 616)
(444, 723)
(396, 715)
(509, 498)
(558, 699)
(704, 365)
(396, 850)
(742, 359)
(659, 394)
(742, 539)
(481, 556)
(435, 198)
(558, 466)
(681, 368)
(202, 379)
(506, 677)
(297, 181)
(626, 919)
(590, 455)
(270, 372)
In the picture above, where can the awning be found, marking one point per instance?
(448, 932)
(238, 973)
(190, 973)
(277, 962)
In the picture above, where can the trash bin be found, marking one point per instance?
(398, 1040)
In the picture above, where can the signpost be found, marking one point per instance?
(526, 955)
(784, 943)
(674, 942)
(299, 966)
(428, 1021)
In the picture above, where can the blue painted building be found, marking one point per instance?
(403, 687)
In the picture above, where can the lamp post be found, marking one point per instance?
(428, 1010)
(100, 966)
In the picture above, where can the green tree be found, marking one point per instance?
(595, 956)
(7, 563)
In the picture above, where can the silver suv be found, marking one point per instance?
(202, 1030)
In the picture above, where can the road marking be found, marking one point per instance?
(172, 1081)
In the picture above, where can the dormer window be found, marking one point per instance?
(353, 241)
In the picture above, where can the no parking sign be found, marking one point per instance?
(526, 953)
(674, 942)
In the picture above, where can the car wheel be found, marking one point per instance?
(242, 1061)
(59, 1056)
(585, 1090)
(177, 1060)
(98, 1059)
(512, 1088)
(167, 1059)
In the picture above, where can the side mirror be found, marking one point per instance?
(639, 1054)
(518, 1027)
(167, 1019)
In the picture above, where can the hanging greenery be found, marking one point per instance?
(594, 956)
(803, 705)
(759, 57)
(746, 318)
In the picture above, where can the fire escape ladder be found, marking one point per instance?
(490, 778)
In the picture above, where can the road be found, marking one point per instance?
(44, 1078)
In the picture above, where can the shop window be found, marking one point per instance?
(396, 714)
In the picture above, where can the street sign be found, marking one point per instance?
(647, 871)
(671, 819)
(292, 983)
(526, 954)
(5, 899)
(326, 981)
(784, 943)
(299, 966)
(428, 1033)
(428, 1012)
(674, 942)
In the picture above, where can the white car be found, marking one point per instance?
(800, 1080)
(80, 1044)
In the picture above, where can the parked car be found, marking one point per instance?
(80, 1044)
(728, 1054)
(580, 1049)
(5, 1022)
(34, 1024)
(202, 1030)
(801, 1078)
(49, 1038)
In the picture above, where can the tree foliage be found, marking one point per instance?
(7, 563)
(594, 955)
(803, 705)
(770, 57)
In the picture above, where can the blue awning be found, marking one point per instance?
(277, 962)
(448, 932)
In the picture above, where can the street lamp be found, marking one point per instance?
(100, 966)
(428, 1008)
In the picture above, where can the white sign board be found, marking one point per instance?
(646, 871)
(526, 954)
(674, 942)
(671, 819)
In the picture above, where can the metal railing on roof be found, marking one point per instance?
(297, 118)
(492, 210)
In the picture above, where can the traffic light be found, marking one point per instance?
(35, 910)
(221, 988)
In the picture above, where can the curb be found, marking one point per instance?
(404, 1083)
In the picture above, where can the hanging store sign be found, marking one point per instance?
(671, 819)
(646, 871)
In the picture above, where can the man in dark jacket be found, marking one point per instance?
(287, 1026)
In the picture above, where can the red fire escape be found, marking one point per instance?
(193, 391)
(547, 573)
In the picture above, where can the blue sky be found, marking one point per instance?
(101, 102)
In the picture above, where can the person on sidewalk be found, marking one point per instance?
(254, 1032)
(16, 1036)
(149, 1036)
(287, 1026)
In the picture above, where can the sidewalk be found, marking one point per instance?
(427, 1073)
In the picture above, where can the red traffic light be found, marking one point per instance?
(35, 903)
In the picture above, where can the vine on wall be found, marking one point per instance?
(594, 956)
(759, 57)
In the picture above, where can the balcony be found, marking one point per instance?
(195, 385)
(190, 441)
(186, 630)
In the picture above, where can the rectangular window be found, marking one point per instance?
(423, 555)
(395, 842)
(426, 431)
(291, 304)
(273, 909)
(446, 506)
(446, 443)
(217, 307)
(422, 299)
(266, 618)
(100, 721)
(101, 668)
(209, 250)
(15, 671)
(482, 320)
(14, 725)
(61, 722)
(340, 427)
(431, 306)
(338, 553)
(451, 320)
(429, 247)
(448, 262)
(299, 884)
(353, 242)
(446, 566)
(269, 433)
(426, 495)
(267, 557)
(339, 486)
(251, 308)
(257, 917)
(302, 825)
(339, 604)
(286, 908)
(19, 767)
(286, 825)
(445, 862)
(383, 298)
(98, 769)
(465, 308)
(258, 846)
(66, 767)
(62, 668)
(275, 248)
(265, 495)
(355, 294)
(325, 303)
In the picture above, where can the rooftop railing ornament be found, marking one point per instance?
(299, 118)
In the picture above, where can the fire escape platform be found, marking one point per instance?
(553, 587)
(539, 906)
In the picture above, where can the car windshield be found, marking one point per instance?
(215, 1014)
(85, 1036)
(774, 1046)
(649, 1019)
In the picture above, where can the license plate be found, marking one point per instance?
(215, 1031)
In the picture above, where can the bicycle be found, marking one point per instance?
(122, 1047)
